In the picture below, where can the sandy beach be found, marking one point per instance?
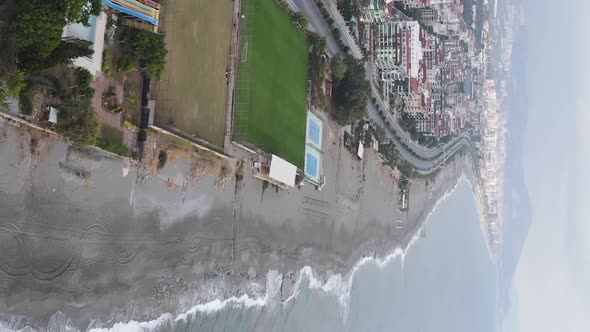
(99, 237)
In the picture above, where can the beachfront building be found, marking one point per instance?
(93, 33)
(274, 169)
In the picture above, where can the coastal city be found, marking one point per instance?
(236, 149)
(444, 64)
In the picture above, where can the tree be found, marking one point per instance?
(150, 48)
(38, 27)
(377, 131)
(66, 51)
(124, 64)
(78, 121)
(11, 83)
(83, 80)
(69, 49)
(351, 93)
(80, 10)
(338, 67)
(301, 19)
(409, 124)
(7, 34)
(162, 158)
(345, 7)
(316, 66)
(39, 24)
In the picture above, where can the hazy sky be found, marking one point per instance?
(552, 280)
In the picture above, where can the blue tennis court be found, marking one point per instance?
(314, 130)
(311, 165)
(313, 148)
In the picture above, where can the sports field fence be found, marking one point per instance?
(243, 78)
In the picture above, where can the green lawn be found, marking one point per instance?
(276, 71)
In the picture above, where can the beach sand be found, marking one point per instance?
(99, 237)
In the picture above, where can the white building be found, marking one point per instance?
(93, 33)
(386, 39)
(411, 48)
(398, 44)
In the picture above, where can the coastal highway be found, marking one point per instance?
(316, 23)
(424, 160)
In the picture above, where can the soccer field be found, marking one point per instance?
(272, 81)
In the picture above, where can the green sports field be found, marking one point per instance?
(272, 81)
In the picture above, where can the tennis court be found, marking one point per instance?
(313, 147)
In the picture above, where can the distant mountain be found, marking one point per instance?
(517, 207)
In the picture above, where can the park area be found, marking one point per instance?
(271, 87)
(191, 94)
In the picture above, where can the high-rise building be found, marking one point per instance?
(398, 43)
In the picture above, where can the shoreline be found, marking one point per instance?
(335, 285)
(183, 213)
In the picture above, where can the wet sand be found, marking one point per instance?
(98, 237)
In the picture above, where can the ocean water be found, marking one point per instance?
(444, 282)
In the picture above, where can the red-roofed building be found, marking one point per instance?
(389, 8)
(414, 85)
(437, 124)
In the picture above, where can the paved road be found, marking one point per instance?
(341, 24)
(429, 158)
(316, 23)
